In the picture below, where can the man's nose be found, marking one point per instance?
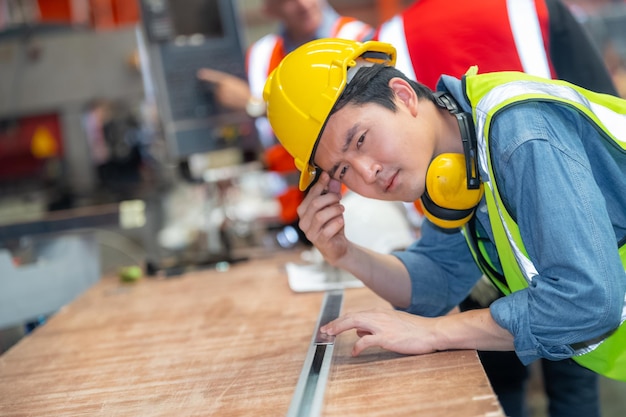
(368, 169)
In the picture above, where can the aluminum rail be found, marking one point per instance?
(308, 396)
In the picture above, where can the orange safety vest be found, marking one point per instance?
(261, 58)
(496, 35)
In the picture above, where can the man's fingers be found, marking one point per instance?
(340, 325)
(348, 322)
(362, 333)
(370, 340)
(316, 211)
(321, 186)
(332, 227)
(334, 186)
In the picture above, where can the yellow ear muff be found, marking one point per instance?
(446, 182)
(447, 200)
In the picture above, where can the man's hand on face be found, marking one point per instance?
(321, 218)
(334, 186)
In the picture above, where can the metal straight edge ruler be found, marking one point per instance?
(309, 393)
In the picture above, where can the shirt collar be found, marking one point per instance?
(454, 86)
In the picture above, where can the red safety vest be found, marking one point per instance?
(261, 58)
(496, 35)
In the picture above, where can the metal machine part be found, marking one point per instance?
(181, 37)
(47, 78)
(309, 393)
(45, 263)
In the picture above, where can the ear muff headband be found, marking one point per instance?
(468, 137)
(450, 204)
(444, 213)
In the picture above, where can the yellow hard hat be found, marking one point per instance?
(302, 90)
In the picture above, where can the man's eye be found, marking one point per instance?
(343, 172)
(360, 141)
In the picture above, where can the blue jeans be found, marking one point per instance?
(571, 389)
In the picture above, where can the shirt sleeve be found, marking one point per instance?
(441, 268)
(547, 183)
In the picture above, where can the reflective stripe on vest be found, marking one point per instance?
(259, 58)
(489, 93)
(350, 28)
(528, 37)
(392, 32)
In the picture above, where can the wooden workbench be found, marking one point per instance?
(220, 344)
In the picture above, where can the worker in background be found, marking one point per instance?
(616, 65)
(300, 21)
(539, 37)
(522, 179)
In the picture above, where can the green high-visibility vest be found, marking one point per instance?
(491, 93)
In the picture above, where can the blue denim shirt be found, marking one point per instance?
(567, 192)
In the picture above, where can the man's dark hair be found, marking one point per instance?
(371, 85)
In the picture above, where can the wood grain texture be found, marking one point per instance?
(381, 383)
(218, 344)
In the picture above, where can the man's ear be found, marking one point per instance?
(404, 93)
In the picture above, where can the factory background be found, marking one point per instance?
(79, 128)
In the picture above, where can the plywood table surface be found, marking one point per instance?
(220, 344)
(382, 383)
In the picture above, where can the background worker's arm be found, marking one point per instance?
(413, 335)
(230, 91)
(321, 219)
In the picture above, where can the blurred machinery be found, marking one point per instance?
(49, 76)
(180, 37)
(214, 147)
(79, 115)
(52, 75)
(82, 107)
